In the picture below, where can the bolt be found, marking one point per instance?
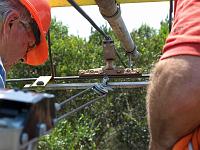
(40, 83)
(128, 70)
(91, 71)
(118, 71)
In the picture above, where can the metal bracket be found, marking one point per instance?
(99, 72)
(42, 81)
(110, 69)
(101, 89)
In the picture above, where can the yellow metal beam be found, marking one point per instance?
(64, 3)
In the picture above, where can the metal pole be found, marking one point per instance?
(50, 56)
(74, 78)
(110, 10)
(67, 86)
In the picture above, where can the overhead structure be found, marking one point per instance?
(110, 10)
(64, 3)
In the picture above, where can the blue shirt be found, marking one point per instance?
(2, 75)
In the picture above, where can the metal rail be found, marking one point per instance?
(114, 85)
(71, 78)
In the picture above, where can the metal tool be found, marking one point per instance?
(24, 116)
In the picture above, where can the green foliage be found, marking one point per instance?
(117, 122)
(78, 134)
(149, 45)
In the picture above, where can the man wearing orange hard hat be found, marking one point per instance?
(24, 25)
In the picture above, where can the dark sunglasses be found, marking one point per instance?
(36, 31)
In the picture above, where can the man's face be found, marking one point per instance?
(17, 41)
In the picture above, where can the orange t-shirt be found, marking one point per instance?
(184, 38)
(189, 142)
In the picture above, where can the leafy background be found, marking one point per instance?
(116, 122)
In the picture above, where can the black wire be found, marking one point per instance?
(50, 55)
(170, 14)
(81, 11)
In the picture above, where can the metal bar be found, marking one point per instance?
(71, 78)
(128, 84)
(79, 108)
(33, 79)
(42, 81)
(63, 3)
(73, 97)
(87, 85)
(110, 10)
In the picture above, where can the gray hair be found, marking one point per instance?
(8, 5)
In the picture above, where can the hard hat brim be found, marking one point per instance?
(39, 54)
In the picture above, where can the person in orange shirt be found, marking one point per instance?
(23, 26)
(173, 95)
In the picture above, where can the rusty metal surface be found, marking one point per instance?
(107, 7)
(128, 72)
(109, 54)
(109, 50)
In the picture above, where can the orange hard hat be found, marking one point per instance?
(41, 12)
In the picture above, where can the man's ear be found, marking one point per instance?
(9, 20)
